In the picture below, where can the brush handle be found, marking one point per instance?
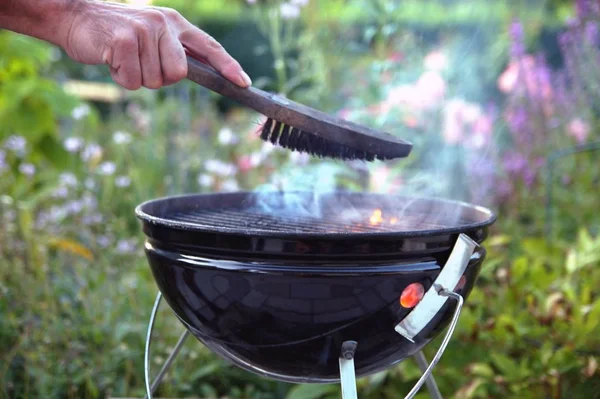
(267, 104)
(297, 115)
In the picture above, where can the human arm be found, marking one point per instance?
(142, 45)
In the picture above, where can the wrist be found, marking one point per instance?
(48, 20)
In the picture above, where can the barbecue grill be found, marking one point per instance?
(313, 288)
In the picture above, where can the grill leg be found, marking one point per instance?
(432, 387)
(347, 373)
(150, 389)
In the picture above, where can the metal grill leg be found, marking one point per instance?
(432, 387)
(161, 374)
(347, 372)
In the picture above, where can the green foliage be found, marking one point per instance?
(75, 289)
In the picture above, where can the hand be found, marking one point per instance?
(143, 46)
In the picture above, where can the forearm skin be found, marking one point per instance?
(47, 20)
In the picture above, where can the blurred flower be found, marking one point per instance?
(27, 169)
(227, 137)
(459, 117)
(94, 218)
(121, 138)
(103, 241)
(579, 130)
(61, 192)
(431, 87)
(123, 181)
(126, 246)
(16, 144)
(514, 162)
(206, 180)
(436, 61)
(230, 185)
(73, 144)
(517, 37)
(80, 111)
(251, 1)
(2, 160)
(220, 168)
(244, 163)
(107, 168)
(91, 151)
(67, 179)
(300, 3)
(289, 11)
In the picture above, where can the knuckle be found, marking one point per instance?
(170, 13)
(125, 39)
(140, 27)
(176, 72)
(156, 17)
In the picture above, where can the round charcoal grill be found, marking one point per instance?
(308, 288)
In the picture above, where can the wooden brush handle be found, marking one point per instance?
(297, 115)
(266, 103)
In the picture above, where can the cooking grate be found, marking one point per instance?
(357, 221)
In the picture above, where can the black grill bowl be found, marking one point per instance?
(274, 282)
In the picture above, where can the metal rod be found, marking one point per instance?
(432, 387)
(438, 355)
(161, 374)
(147, 348)
(347, 372)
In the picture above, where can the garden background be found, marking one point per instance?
(501, 100)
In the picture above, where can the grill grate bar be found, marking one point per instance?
(240, 219)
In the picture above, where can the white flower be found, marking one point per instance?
(91, 151)
(289, 11)
(123, 181)
(226, 136)
(126, 246)
(73, 144)
(68, 179)
(255, 159)
(17, 144)
(230, 185)
(300, 3)
(2, 160)
(27, 169)
(80, 111)
(220, 168)
(107, 168)
(206, 180)
(120, 137)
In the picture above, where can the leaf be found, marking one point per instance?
(72, 247)
(310, 391)
(504, 364)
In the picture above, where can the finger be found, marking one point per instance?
(149, 55)
(205, 46)
(124, 62)
(172, 59)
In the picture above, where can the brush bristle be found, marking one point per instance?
(295, 139)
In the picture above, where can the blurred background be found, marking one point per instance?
(501, 100)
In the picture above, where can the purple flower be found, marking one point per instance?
(27, 169)
(126, 246)
(514, 162)
(3, 164)
(517, 37)
(107, 168)
(73, 144)
(123, 181)
(16, 144)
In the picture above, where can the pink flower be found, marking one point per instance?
(508, 79)
(436, 61)
(579, 130)
(244, 163)
(431, 87)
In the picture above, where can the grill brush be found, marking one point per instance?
(300, 128)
